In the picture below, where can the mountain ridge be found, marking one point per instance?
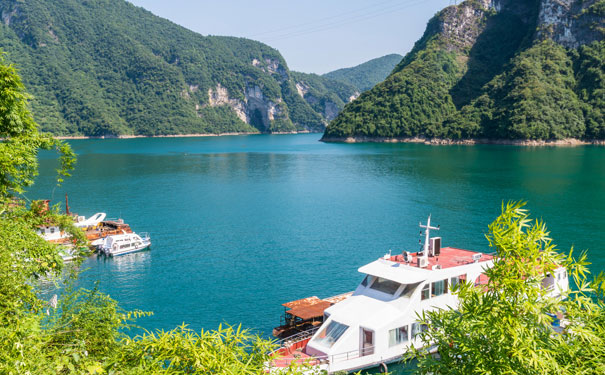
(484, 70)
(366, 75)
(107, 68)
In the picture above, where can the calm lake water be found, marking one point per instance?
(242, 224)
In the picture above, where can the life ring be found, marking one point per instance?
(115, 246)
(136, 245)
(383, 368)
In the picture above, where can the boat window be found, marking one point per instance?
(457, 280)
(439, 288)
(408, 289)
(426, 291)
(52, 230)
(398, 335)
(385, 285)
(124, 246)
(366, 280)
(329, 335)
(418, 328)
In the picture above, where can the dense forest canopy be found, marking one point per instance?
(99, 67)
(367, 75)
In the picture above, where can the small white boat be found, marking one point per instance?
(121, 244)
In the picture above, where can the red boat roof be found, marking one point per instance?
(449, 257)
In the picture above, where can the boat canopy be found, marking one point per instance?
(398, 272)
(309, 312)
(307, 308)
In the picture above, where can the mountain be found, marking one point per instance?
(492, 69)
(326, 96)
(367, 75)
(107, 67)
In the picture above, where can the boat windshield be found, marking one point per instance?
(329, 335)
(385, 285)
(408, 289)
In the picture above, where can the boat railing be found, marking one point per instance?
(144, 236)
(357, 353)
(300, 336)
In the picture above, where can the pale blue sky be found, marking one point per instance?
(314, 36)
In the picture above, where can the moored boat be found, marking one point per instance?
(304, 314)
(124, 244)
(378, 323)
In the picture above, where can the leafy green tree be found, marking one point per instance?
(83, 332)
(21, 139)
(507, 327)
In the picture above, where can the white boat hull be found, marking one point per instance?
(112, 253)
(124, 244)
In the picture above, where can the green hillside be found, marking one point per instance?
(484, 73)
(367, 75)
(101, 67)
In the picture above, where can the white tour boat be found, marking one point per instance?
(377, 324)
(126, 243)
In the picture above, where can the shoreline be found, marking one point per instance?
(468, 142)
(191, 135)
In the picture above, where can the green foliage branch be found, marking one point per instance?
(507, 327)
(83, 331)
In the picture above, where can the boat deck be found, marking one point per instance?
(449, 257)
(284, 356)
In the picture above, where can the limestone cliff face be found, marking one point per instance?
(325, 95)
(255, 109)
(571, 23)
(461, 25)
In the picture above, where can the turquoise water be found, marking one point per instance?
(241, 224)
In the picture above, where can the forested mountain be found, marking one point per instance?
(492, 69)
(367, 75)
(107, 67)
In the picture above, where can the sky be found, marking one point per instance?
(314, 36)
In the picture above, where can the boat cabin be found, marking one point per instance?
(51, 233)
(379, 322)
(380, 318)
(125, 243)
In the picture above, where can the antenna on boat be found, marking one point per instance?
(427, 227)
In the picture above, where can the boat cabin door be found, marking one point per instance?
(366, 345)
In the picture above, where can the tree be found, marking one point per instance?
(84, 331)
(21, 139)
(507, 327)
